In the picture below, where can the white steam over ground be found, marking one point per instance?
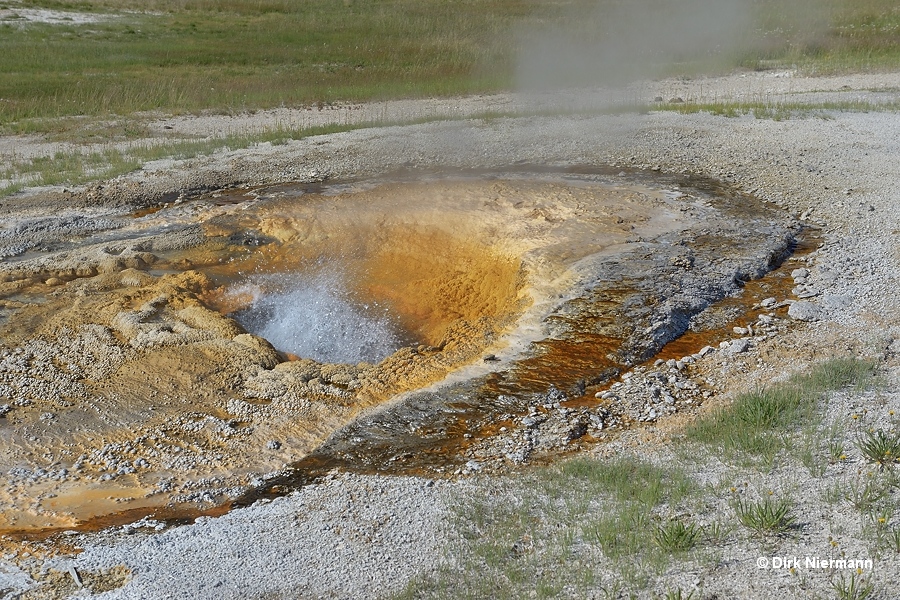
(608, 43)
(315, 315)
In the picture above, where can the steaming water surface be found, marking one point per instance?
(316, 316)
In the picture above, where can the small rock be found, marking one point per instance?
(555, 395)
(740, 330)
(273, 444)
(804, 311)
(705, 350)
(768, 303)
(736, 347)
(800, 273)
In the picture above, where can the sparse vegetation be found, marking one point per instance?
(677, 594)
(775, 111)
(766, 516)
(880, 447)
(621, 524)
(866, 493)
(579, 513)
(852, 588)
(756, 424)
(676, 535)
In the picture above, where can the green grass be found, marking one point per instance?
(235, 55)
(852, 588)
(245, 55)
(69, 168)
(550, 530)
(775, 111)
(765, 517)
(677, 536)
(880, 447)
(758, 425)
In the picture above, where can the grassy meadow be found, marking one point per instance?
(185, 56)
(93, 84)
(180, 56)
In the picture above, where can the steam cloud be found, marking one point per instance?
(609, 43)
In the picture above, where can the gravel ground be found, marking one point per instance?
(364, 536)
(348, 536)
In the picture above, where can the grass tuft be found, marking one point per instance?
(853, 588)
(766, 516)
(880, 447)
(676, 536)
(866, 496)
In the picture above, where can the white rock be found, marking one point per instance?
(736, 347)
(804, 311)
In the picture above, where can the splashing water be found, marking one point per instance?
(316, 316)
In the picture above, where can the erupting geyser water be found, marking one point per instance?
(316, 315)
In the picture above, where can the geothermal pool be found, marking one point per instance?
(187, 358)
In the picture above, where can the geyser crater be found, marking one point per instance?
(569, 277)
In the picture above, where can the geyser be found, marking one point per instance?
(123, 381)
(316, 315)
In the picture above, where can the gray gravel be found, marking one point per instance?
(359, 536)
(347, 537)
